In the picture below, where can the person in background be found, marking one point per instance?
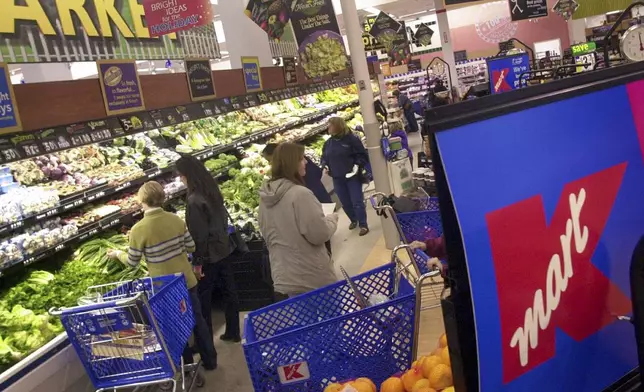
(312, 179)
(342, 156)
(408, 109)
(163, 239)
(294, 226)
(435, 249)
(207, 220)
(398, 129)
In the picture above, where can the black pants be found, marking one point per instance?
(203, 338)
(220, 274)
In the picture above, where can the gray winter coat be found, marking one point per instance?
(295, 230)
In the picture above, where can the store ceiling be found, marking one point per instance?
(401, 9)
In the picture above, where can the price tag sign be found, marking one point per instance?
(27, 144)
(158, 120)
(262, 98)
(225, 105)
(580, 49)
(182, 113)
(153, 173)
(78, 134)
(8, 152)
(252, 100)
(53, 139)
(171, 116)
(99, 131)
(234, 102)
(123, 186)
(137, 122)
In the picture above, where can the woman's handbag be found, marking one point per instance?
(235, 239)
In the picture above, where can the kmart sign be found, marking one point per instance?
(87, 30)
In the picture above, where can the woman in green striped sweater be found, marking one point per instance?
(163, 239)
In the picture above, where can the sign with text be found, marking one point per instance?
(200, 81)
(320, 44)
(272, 16)
(9, 116)
(548, 255)
(370, 42)
(505, 72)
(385, 29)
(290, 70)
(586, 47)
(423, 35)
(527, 9)
(120, 86)
(400, 52)
(169, 16)
(252, 73)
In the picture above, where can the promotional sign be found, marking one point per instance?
(120, 86)
(271, 15)
(320, 45)
(385, 29)
(587, 47)
(65, 31)
(252, 73)
(164, 17)
(400, 52)
(528, 9)
(548, 242)
(290, 70)
(505, 72)
(9, 116)
(200, 81)
(584, 56)
(370, 43)
(423, 35)
(566, 8)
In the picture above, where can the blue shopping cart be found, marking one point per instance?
(130, 334)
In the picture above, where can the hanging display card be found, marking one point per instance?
(120, 86)
(252, 73)
(423, 35)
(272, 16)
(165, 17)
(385, 29)
(9, 117)
(527, 9)
(200, 81)
(290, 70)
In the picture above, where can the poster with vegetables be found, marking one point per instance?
(400, 52)
(271, 15)
(423, 35)
(321, 47)
(385, 30)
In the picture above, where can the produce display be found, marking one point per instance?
(430, 373)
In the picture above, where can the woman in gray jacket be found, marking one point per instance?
(294, 226)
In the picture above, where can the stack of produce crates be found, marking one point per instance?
(252, 275)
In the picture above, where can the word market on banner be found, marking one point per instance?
(320, 44)
(9, 116)
(169, 16)
(505, 72)
(423, 35)
(252, 73)
(200, 81)
(527, 9)
(120, 86)
(272, 16)
(290, 70)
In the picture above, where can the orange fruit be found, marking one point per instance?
(445, 357)
(429, 364)
(442, 342)
(423, 383)
(361, 386)
(426, 389)
(448, 389)
(368, 381)
(411, 377)
(335, 387)
(441, 377)
(437, 351)
(392, 384)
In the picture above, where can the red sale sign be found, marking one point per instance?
(169, 16)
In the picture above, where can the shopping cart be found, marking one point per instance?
(132, 334)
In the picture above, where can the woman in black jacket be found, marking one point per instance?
(207, 221)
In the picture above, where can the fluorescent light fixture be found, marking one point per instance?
(224, 52)
(413, 13)
(372, 10)
(214, 2)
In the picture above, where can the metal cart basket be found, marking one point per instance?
(131, 333)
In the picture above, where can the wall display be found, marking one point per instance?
(290, 70)
(9, 116)
(527, 9)
(271, 15)
(200, 81)
(546, 309)
(120, 86)
(505, 72)
(423, 35)
(57, 31)
(499, 28)
(320, 44)
(252, 73)
(164, 17)
(370, 42)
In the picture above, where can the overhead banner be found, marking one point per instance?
(9, 116)
(400, 52)
(320, 44)
(566, 8)
(170, 16)
(423, 35)
(548, 256)
(290, 70)
(272, 16)
(120, 86)
(528, 9)
(252, 74)
(505, 72)
(200, 81)
(385, 30)
(89, 30)
(370, 42)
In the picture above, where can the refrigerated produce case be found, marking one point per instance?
(522, 177)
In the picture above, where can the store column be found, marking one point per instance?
(243, 36)
(446, 40)
(371, 127)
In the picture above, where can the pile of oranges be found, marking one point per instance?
(431, 373)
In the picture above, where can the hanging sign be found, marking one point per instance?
(587, 47)
(252, 73)
(423, 35)
(400, 52)
(200, 81)
(385, 29)
(9, 116)
(527, 9)
(320, 44)
(505, 72)
(169, 16)
(120, 86)
(290, 70)
(271, 15)
(565, 8)
(370, 42)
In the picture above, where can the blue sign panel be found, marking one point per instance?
(504, 72)
(550, 214)
(9, 117)
(252, 73)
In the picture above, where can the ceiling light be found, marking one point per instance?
(372, 10)
(414, 13)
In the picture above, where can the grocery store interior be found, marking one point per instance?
(460, 115)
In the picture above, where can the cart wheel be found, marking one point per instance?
(200, 378)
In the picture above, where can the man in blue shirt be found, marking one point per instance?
(408, 109)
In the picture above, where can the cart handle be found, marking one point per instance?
(100, 305)
(381, 209)
(412, 260)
